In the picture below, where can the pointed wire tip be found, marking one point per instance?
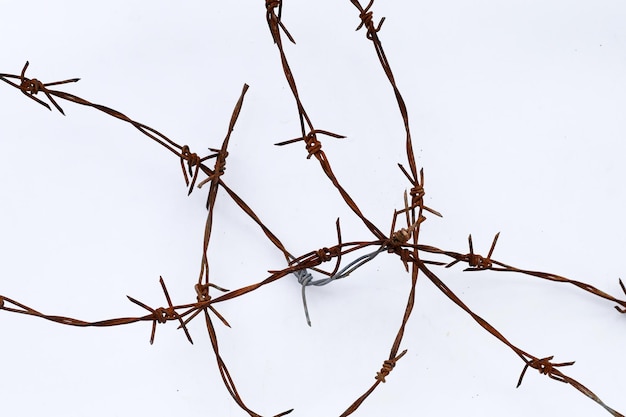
(622, 310)
(286, 142)
(306, 313)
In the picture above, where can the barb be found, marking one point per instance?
(545, 367)
(398, 239)
(274, 21)
(193, 160)
(202, 287)
(161, 314)
(204, 303)
(366, 16)
(30, 87)
(417, 192)
(388, 366)
(475, 261)
(158, 315)
(313, 145)
(367, 21)
(25, 87)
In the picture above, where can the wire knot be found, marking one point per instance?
(274, 20)
(324, 254)
(545, 367)
(220, 163)
(202, 291)
(474, 260)
(304, 277)
(387, 367)
(219, 168)
(417, 192)
(192, 160)
(402, 236)
(399, 238)
(32, 86)
(163, 314)
(313, 146)
(271, 4)
(367, 21)
(478, 262)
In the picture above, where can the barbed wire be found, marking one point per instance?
(404, 243)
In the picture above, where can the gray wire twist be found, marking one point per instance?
(306, 279)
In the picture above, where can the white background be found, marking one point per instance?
(517, 113)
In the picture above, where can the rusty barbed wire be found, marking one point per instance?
(403, 242)
(474, 260)
(543, 365)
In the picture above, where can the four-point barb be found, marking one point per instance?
(475, 261)
(31, 86)
(161, 314)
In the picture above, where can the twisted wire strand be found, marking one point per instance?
(305, 278)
